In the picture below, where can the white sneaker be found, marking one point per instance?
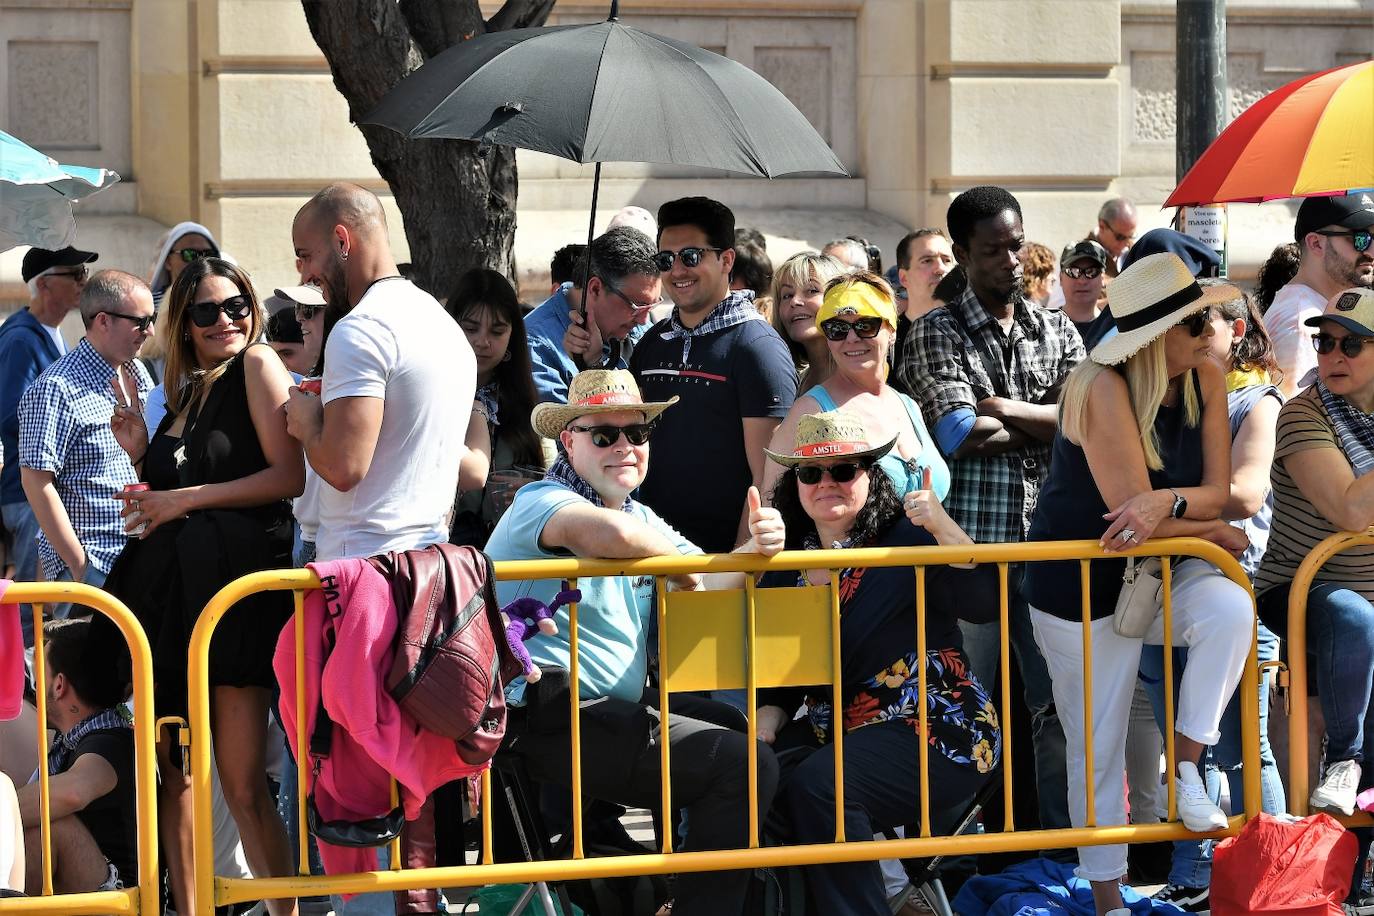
(1336, 792)
(1195, 809)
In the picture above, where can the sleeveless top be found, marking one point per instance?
(905, 473)
(1239, 403)
(1071, 509)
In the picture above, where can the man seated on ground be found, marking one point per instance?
(94, 837)
(583, 508)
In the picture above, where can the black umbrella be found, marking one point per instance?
(606, 92)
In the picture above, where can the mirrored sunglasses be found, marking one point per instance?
(606, 436)
(190, 255)
(235, 308)
(1360, 240)
(1090, 272)
(844, 472)
(838, 329)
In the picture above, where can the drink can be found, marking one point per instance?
(312, 385)
(137, 488)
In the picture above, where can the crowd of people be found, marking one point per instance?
(678, 394)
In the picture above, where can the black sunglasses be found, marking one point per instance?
(1091, 272)
(190, 255)
(844, 472)
(77, 276)
(1120, 236)
(235, 308)
(1350, 346)
(1197, 322)
(1360, 240)
(838, 329)
(606, 436)
(308, 312)
(691, 257)
(142, 322)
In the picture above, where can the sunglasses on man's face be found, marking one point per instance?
(1360, 241)
(142, 322)
(838, 329)
(189, 255)
(1088, 272)
(76, 276)
(691, 257)
(606, 436)
(1197, 322)
(844, 472)
(1121, 237)
(1350, 346)
(235, 308)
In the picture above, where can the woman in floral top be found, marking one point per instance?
(829, 498)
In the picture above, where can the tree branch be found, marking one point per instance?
(520, 14)
(437, 25)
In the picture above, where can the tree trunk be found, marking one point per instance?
(457, 202)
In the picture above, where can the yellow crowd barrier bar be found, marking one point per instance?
(730, 634)
(140, 896)
(1299, 789)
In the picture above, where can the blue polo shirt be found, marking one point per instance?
(613, 616)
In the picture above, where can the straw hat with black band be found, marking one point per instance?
(1150, 297)
(594, 391)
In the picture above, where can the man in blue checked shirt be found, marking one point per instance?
(70, 464)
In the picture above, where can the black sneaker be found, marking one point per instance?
(1187, 899)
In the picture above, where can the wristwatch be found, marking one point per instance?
(1180, 505)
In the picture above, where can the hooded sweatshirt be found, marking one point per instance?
(160, 278)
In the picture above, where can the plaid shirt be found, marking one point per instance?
(64, 428)
(736, 308)
(66, 744)
(959, 355)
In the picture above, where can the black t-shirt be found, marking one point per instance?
(112, 818)
(698, 470)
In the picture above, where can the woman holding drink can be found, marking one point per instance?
(220, 472)
(486, 307)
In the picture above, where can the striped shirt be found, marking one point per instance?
(64, 428)
(1297, 525)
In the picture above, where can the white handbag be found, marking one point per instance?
(1141, 599)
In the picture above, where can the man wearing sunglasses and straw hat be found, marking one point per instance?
(583, 508)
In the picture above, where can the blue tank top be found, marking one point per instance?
(1070, 508)
(905, 473)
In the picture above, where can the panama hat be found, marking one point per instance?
(1150, 297)
(595, 391)
(832, 434)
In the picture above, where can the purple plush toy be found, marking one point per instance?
(526, 616)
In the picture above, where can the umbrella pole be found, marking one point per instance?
(591, 223)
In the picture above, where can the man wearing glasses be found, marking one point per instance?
(29, 343)
(1082, 279)
(1334, 238)
(70, 463)
(622, 288)
(1116, 228)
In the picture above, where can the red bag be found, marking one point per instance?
(1297, 868)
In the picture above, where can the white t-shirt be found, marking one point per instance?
(398, 344)
(306, 507)
(56, 335)
(1293, 305)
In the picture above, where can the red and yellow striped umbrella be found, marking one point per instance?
(1313, 137)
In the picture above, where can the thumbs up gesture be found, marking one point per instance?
(766, 529)
(923, 506)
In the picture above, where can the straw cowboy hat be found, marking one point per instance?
(832, 434)
(595, 391)
(1150, 297)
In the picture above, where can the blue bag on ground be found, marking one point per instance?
(1042, 887)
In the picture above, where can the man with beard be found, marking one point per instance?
(1333, 235)
(986, 370)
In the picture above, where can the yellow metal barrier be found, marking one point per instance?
(726, 640)
(1297, 668)
(141, 899)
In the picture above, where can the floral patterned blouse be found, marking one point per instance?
(878, 654)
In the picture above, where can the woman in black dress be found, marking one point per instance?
(221, 470)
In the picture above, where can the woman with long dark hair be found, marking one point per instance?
(221, 469)
(832, 495)
(486, 307)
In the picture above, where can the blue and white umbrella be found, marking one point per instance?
(37, 193)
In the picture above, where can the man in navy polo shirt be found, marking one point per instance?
(732, 371)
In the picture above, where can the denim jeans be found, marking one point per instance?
(92, 577)
(1192, 862)
(22, 526)
(983, 647)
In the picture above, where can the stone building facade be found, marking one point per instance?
(224, 112)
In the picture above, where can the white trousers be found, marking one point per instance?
(1214, 618)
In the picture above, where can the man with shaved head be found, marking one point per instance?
(386, 436)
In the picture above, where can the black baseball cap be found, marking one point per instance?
(1086, 250)
(37, 260)
(1349, 211)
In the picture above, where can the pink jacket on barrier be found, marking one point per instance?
(11, 658)
(372, 740)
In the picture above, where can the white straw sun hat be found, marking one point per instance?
(1150, 297)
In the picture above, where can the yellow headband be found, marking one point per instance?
(858, 299)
